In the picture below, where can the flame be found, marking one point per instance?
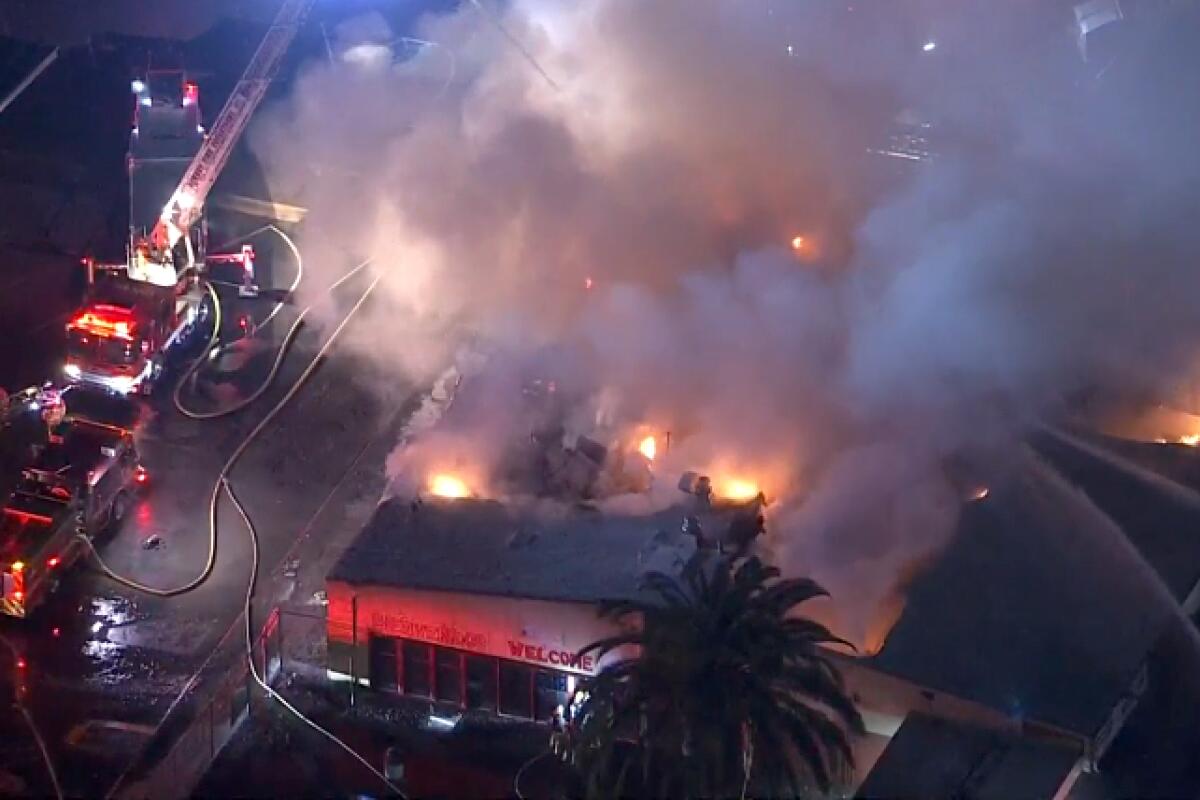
(797, 243)
(1191, 439)
(448, 486)
(736, 489)
(880, 627)
(648, 447)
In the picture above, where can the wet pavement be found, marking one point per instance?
(99, 665)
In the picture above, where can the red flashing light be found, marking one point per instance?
(141, 476)
(191, 92)
(105, 321)
(27, 516)
(21, 663)
(52, 562)
(55, 633)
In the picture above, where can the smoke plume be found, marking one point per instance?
(627, 227)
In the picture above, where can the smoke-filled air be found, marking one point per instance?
(690, 223)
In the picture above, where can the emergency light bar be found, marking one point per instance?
(105, 321)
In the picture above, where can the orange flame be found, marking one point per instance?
(797, 243)
(648, 447)
(448, 486)
(881, 626)
(736, 489)
(1191, 439)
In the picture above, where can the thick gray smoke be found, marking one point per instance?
(639, 213)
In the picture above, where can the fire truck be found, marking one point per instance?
(135, 313)
(80, 486)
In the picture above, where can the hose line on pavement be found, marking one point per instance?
(209, 348)
(266, 687)
(521, 771)
(284, 348)
(215, 495)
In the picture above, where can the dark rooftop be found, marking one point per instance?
(1142, 488)
(540, 552)
(937, 758)
(1038, 608)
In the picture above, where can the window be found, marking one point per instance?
(417, 658)
(481, 682)
(550, 692)
(516, 689)
(384, 667)
(449, 675)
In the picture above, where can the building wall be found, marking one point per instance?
(541, 633)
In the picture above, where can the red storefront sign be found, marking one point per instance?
(448, 635)
(547, 655)
(436, 633)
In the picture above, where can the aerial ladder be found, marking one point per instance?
(120, 337)
(186, 204)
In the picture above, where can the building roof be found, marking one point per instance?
(534, 551)
(933, 758)
(1038, 608)
(1143, 488)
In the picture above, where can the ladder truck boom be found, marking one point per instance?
(187, 202)
(139, 311)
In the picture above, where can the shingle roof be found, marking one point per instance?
(1038, 608)
(540, 552)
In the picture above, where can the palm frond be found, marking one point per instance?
(720, 651)
(666, 587)
(604, 646)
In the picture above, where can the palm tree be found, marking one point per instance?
(729, 693)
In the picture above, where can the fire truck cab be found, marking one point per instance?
(81, 485)
(120, 338)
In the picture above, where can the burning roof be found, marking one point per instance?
(532, 550)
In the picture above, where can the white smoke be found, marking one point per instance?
(1046, 250)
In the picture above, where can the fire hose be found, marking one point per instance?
(266, 687)
(211, 347)
(222, 484)
(229, 464)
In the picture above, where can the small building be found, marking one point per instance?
(485, 606)
(1036, 622)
